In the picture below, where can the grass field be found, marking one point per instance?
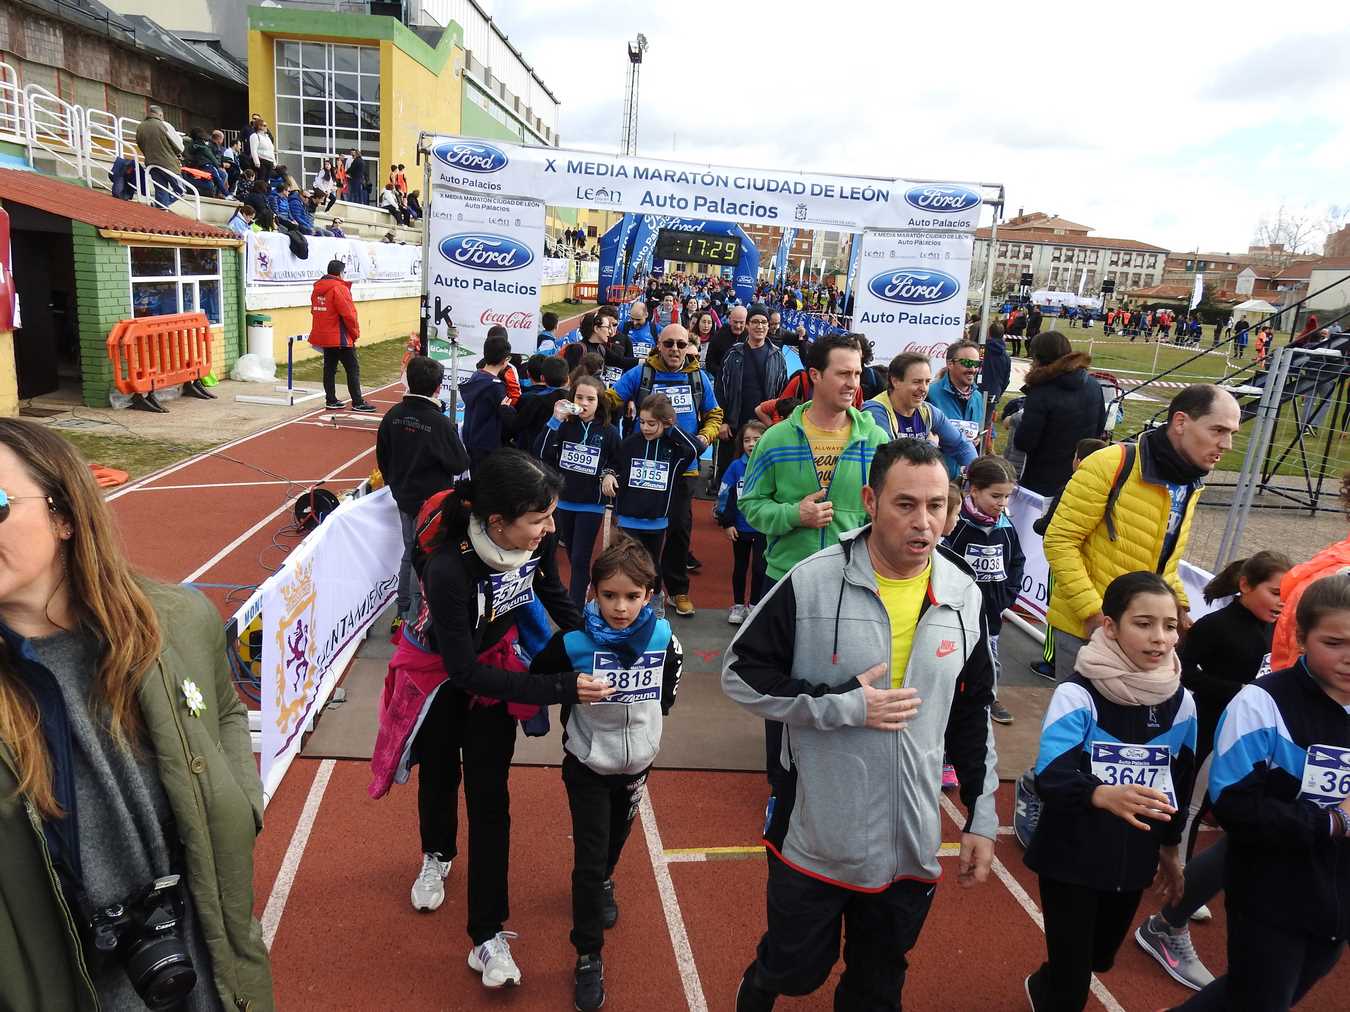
(1136, 360)
(381, 363)
(133, 454)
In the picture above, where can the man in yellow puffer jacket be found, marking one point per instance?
(1088, 545)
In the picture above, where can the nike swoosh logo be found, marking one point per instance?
(947, 648)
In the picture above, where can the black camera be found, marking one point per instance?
(143, 934)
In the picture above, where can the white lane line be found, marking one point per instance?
(224, 484)
(679, 936)
(197, 573)
(1025, 901)
(136, 485)
(290, 864)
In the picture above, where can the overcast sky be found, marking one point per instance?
(1177, 123)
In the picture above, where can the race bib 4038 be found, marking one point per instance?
(1326, 775)
(639, 683)
(1144, 765)
(987, 561)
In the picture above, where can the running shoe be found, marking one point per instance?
(428, 892)
(1173, 950)
(1045, 669)
(949, 781)
(683, 606)
(752, 998)
(365, 406)
(589, 992)
(493, 960)
(335, 405)
(736, 615)
(999, 713)
(609, 908)
(1202, 915)
(693, 565)
(1026, 809)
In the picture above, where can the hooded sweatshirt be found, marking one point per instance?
(484, 414)
(647, 472)
(621, 735)
(583, 453)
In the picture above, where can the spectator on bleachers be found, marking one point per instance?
(393, 177)
(325, 184)
(261, 149)
(358, 186)
(400, 180)
(335, 229)
(389, 202)
(245, 183)
(162, 149)
(300, 212)
(198, 155)
(246, 158)
(241, 223)
(414, 205)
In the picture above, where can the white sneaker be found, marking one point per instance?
(493, 960)
(428, 892)
(736, 615)
(1202, 915)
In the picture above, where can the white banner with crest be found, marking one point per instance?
(271, 262)
(315, 613)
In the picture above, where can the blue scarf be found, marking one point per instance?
(628, 643)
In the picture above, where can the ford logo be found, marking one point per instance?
(1133, 752)
(942, 199)
(914, 287)
(484, 252)
(471, 156)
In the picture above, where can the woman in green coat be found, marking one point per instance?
(128, 790)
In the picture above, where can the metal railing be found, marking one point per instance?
(55, 127)
(11, 105)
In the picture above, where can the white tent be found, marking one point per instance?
(1258, 307)
(1045, 297)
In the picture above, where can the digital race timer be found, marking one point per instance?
(697, 247)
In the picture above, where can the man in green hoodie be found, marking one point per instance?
(803, 485)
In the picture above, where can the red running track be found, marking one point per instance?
(333, 868)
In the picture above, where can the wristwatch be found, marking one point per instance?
(1343, 817)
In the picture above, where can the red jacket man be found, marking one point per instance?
(334, 331)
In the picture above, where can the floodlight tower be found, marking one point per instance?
(628, 139)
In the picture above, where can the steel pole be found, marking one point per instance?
(989, 272)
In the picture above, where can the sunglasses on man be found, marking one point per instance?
(680, 345)
(969, 363)
(6, 500)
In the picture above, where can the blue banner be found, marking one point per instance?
(854, 253)
(613, 253)
(780, 260)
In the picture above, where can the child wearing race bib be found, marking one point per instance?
(1114, 774)
(608, 750)
(747, 544)
(1222, 652)
(986, 539)
(1280, 786)
(584, 447)
(651, 460)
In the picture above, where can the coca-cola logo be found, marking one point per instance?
(938, 349)
(511, 321)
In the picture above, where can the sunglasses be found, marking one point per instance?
(969, 363)
(6, 499)
(681, 345)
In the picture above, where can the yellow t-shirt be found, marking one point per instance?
(903, 600)
(826, 446)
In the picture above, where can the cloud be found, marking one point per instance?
(1182, 139)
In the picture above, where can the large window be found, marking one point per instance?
(168, 279)
(328, 102)
(480, 98)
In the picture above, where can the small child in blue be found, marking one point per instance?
(651, 460)
(986, 539)
(608, 748)
(747, 544)
(584, 447)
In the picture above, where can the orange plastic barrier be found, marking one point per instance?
(150, 353)
(586, 291)
(619, 294)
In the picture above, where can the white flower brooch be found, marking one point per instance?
(193, 697)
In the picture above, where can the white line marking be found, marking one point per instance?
(290, 864)
(225, 484)
(197, 573)
(166, 471)
(1025, 901)
(670, 903)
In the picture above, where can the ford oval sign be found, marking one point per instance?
(471, 156)
(1134, 752)
(942, 199)
(480, 251)
(914, 286)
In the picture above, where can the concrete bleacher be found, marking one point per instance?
(359, 221)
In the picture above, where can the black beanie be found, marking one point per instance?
(756, 309)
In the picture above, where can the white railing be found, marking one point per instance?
(11, 105)
(54, 126)
(151, 179)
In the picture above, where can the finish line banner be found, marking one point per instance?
(567, 178)
(911, 292)
(486, 266)
(315, 613)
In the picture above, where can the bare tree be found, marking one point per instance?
(1286, 235)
